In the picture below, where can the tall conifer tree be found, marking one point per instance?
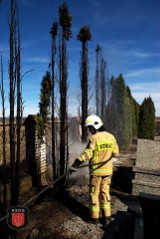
(45, 95)
(65, 33)
(147, 127)
(84, 36)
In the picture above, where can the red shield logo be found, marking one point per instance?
(17, 217)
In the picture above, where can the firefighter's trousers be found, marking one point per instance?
(100, 196)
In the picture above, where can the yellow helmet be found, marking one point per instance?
(93, 120)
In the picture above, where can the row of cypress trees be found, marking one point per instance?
(120, 112)
(125, 118)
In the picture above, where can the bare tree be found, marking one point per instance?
(15, 92)
(103, 89)
(19, 112)
(84, 36)
(65, 33)
(101, 84)
(12, 73)
(3, 140)
(53, 33)
(97, 80)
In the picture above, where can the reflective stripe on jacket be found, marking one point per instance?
(101, 147)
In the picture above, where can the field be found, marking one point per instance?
(7, 148)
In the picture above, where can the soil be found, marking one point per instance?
(66, 217)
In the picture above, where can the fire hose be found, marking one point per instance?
(41, 192)
(57, 180)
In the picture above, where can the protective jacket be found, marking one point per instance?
(99, 151)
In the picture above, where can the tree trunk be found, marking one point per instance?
(19, 117)
(12, 98)
(84, 88)
(3, 143)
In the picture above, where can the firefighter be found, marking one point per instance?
(101, 147)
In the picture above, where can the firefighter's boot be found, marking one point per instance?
(107, 221)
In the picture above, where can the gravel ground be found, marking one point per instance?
(51, 219)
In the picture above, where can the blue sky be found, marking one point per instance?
(128, 32)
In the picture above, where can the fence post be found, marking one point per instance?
(35, 152)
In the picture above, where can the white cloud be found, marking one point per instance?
(37, 59)
(140, 54)
(143, 72)
(144, 90)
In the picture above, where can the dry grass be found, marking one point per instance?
(7, 141)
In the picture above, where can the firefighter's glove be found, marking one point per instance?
(74, 166)
(73, 169)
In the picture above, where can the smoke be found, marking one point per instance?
(76, 148)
